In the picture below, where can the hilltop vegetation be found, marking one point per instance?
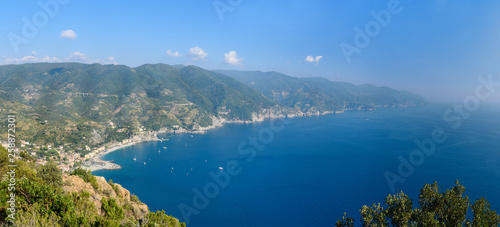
(89, 105)
(46, 197)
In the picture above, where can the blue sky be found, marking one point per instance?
(435, 48)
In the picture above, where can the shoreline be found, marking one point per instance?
(99, 164)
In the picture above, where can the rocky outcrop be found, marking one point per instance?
(105, 188)
(108, 190)
(122, 192)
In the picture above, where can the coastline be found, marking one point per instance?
(98, 164)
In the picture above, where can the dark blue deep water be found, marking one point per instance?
(314, 169)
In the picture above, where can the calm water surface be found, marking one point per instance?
(315, 169)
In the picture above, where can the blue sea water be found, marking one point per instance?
(314, 169)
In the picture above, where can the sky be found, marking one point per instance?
(434, 48)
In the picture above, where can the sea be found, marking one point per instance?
(309, 171)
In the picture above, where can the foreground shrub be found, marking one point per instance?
(448, 208)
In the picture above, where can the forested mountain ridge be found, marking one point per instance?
(315, 94)
(82, 105)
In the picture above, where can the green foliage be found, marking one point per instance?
(4, 160)
(345, 221)
(112, 210)
(25, 156)
(113, 186)
(32, 217)
(49, 201)
(44, 153)
(119, 134)
(399, 209)
(448, 208)
(23, 169)
(159, 218)
(50, 174)
(483, 216)
(78, 101)
(39, 203)
(135, 199)
(87, 176)
(373, 216)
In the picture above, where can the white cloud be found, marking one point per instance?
(68, 34)
(111, 60)
(313, 59)
(33, 53)
(76, 56)
(29, 59)
(197, 53)
(173, 54)
(232, 58)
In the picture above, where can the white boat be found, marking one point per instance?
(144, 163)
(135, 159)
(165, 148)
(220, 168)
(159, 151)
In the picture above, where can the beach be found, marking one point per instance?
(96, 163)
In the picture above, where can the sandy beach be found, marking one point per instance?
(97, 163)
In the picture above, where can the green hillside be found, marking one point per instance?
(90, 105)
(81, 104)
(44, 196)
(320, 94)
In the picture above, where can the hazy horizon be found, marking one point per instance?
(436, 49)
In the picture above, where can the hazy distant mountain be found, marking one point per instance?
(320, 94)
(84, 104)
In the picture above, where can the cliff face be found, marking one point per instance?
(106, 190)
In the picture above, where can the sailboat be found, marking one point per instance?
(135, 158)
(159, 151)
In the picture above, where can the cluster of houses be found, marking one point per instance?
(69, 159)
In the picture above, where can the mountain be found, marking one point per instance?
(319, 94)
(92, 104)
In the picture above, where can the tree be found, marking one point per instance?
(373, 216)
(448, 208)
(346, 221)
(50, 174)
(112, 210)
(483, 216)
